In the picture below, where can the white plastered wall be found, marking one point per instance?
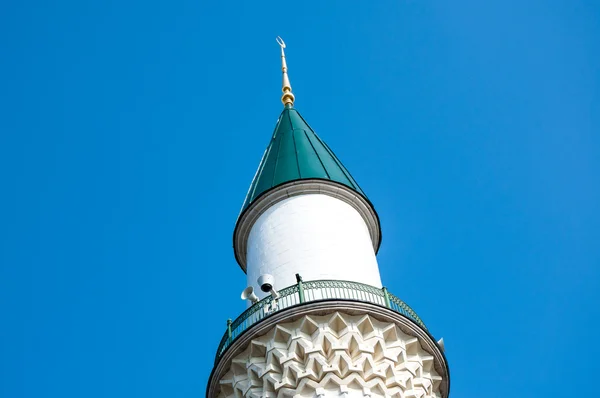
(316, 236)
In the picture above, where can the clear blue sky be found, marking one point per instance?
(130, 131)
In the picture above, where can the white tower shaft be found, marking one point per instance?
(318, 236)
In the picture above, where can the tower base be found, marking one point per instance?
(332, 349)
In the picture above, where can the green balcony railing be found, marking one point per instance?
(304, 292)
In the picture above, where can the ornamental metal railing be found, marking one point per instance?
(310, 291)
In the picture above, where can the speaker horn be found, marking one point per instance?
(248, 294)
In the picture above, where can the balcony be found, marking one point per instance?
(311, 291)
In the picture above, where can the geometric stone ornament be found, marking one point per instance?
(333, 355)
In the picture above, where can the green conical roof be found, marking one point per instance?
(297, 153)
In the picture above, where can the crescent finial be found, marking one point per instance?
(287, 98)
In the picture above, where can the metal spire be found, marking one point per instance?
(287, 98)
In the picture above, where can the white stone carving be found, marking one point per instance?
(335, 355)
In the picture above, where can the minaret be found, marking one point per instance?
(319, 322)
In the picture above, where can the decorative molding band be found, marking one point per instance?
(332, 348)
(302, 187)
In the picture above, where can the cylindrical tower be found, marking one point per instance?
(321, 325)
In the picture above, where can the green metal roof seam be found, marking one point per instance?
(316, 153)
